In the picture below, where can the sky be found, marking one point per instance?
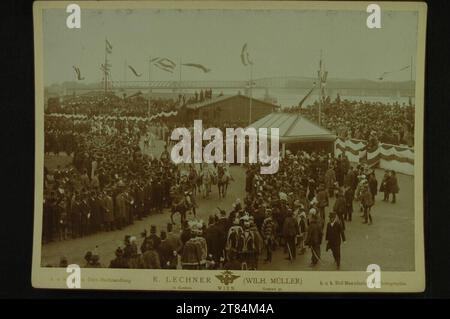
(281, 43)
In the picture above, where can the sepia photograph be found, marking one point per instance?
(229, 145)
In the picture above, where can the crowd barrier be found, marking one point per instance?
(385, 156)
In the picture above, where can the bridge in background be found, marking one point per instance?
(344, 86)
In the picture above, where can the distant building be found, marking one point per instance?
(230, 109)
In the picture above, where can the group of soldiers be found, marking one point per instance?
(109, 183)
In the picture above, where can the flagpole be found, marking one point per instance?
(106, 67)
(149, 85)
(320, 89)
(179, 81)
(411, 80)
(105, 70)
(125, 72)
(251, 93)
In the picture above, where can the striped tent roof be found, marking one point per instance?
(294, 128)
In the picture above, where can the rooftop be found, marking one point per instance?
(294, 128)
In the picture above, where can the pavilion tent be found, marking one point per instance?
(297, 132)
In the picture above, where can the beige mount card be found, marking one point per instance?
(139, 187)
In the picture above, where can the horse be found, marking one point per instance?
(178, 208)
(193, 180)
(223, 180)
(178, 204)
(206, 181)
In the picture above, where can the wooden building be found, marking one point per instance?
(230, 109)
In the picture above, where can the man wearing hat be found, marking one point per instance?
(108, 213)
(268, 233)
(120, 206)
(92, 260)
(322, 200)
(366, 202)
(290, 232)
(213, 239)
(173, 239)
(150, 257)
(153, 237)
(348, 195)
(330, 180)
(314, 239)
(340, 207)
(223, 225)
(335, 232)
(119, 261)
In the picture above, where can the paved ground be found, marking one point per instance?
(389, 242)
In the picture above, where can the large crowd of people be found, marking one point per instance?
(389, 123)
(111, 181)
(126, 105)
(108, 183)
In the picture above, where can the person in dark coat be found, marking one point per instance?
(348, 179)
(173, 239)
(322, 201)
(373, 185)
(119, 261)
(223, 226)
(348, 195)
(96, 218)
(150, 257)
(153, 238)
(340, 207)
(393, 185)
(76, 213)
(384, 186)
(213, 238)
(314, 239)
(290, 232)
(335, 232)
(157, 196)
(166, 253)
(268, 232)
(367, 203)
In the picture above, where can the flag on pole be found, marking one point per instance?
(383, 75)
(108, 46)
(134, 71)
(170, 70)
(307, 95)
(78, 73)
(164, 64)
(245, 57)
(168, 61)
(198, 66)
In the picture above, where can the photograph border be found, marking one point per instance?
(207, 280)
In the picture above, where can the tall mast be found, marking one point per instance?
(106, 67)
(149, 85)
(319, 74)
(179, 80)
(411, 81)
(251, 93)
(125, 72)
